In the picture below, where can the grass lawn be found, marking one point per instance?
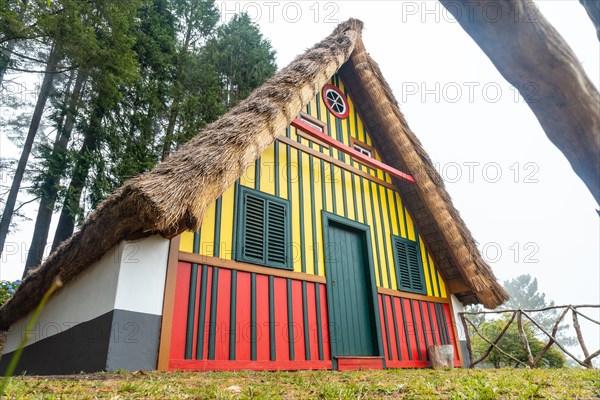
(428, 384)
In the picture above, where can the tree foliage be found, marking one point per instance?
(7, 288)
(130, 82)
(511, 344)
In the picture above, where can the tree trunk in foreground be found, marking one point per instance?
(83, 163)
(52, 179)
(11, 201)
(534, 58)
(592, 7)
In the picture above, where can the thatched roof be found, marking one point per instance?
(174, 196)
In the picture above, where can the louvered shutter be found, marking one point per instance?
(409, 268)
(263, 229)
(253, 245)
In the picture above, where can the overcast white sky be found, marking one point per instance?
(517, 193)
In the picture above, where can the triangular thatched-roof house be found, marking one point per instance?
(223, 257)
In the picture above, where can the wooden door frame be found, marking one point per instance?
(365, 232)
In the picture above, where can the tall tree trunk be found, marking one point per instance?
(533, 57)
(45, 91)
(91, 140)
(52, 177)
(173, 114)
(592, 7)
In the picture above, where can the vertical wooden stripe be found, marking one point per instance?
(189, 336)
(313, 214)
(217, 242)
(222, 322)
(207, 233)
(232, 316)
(392, 212)
(295, 206)
(334, 195)
(196, 248)
(319, 194)
(301, 207)
(202, 314)
(354, 197)
(431, 325)
(440, 286)
(406, 334)
(227, 223)
(429, 280)
(277, 170)
(257, 173)
(445, 323)
(415, 329)
(386, 327)
(290, 326)
(267, 169)
(319, 320)
(387, 248)
(272, 322)
(212, 333)
(306, 325)
(248, 178)
(388, 231)
(253, 321)
(344, 195)
(395, 323)
(376, 232)
(423, 324)
(364, 184)
(283, 169)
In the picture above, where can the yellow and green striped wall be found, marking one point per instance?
(300, 170)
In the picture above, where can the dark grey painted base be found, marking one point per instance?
(465, 353)
(116, 340)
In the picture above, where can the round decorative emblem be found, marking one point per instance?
(335, 101)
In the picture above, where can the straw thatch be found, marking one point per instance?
(447, 237)
(175, 195)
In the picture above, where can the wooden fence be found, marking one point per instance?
(532, 360)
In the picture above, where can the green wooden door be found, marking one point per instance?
(352, 323)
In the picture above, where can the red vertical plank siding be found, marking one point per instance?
(385, 328)
(437, 328)
(425, 317)
(390, 329)
(223, 311)
(209, 278)
(312, 321)
(297, 332)
(325, 323)
(404, 345)
(422, 349)
(447, 311)
(180, 312)
(242, 317)
(281, 320)
(262, 318)
(196, 308)
(412, 342)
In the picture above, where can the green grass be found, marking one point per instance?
(390, 384)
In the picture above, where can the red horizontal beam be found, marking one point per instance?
(353, 153)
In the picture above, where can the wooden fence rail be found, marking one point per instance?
(518, 315)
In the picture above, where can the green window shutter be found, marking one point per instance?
(253, 247)
(276, 227)
(262, 229)
(409, 268)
